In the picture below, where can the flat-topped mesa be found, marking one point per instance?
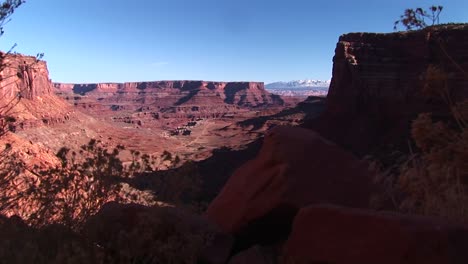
(178, 92)
(23, 76)
(27, 94)
(379, 85)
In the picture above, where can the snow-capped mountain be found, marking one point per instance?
(299, 88)
(298, 83)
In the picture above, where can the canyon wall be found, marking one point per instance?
(148, 103)
(248, 94)
(379, 84)
(27, 94)
(23, 76)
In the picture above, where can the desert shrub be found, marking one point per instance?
(81, 182)
(433, 178)
(79, 186)
(7, 104)
(135, 234)
(418, 18)
(12, 184)
(7, 8)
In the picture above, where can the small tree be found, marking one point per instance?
(7, 8)
(433, 178)
(67, 193)
(418, 18)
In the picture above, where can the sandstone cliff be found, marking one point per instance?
(378, 84)
(24, 76)
(248, 94)
(36, 114)
(26, 93)
(170, 103)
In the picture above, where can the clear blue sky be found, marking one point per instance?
(142, 40)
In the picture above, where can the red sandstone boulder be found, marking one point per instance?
(294, 168)
(329, 234)
(136, 233)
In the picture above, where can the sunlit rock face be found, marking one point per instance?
(149, 102)
(379, 84)
(165, 93)
(23, 76)
(27, 94)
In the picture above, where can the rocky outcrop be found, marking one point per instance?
(23, 76)
(378, 84)
(294, 168)
(27, 94)
(331, 234)
(303, 199)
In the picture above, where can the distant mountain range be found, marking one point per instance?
(298, 84)
(299, 88)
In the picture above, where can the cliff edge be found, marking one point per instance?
(379, 84)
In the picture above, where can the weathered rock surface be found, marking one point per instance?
(26, 78)
(378, 84)
(338, 235)
(295, 167)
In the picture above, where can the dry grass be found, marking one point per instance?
(433, 179)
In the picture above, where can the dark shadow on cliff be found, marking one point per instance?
(193, 87)
(83, 88)
(277, 99)
(231, 90)
(189, 96)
